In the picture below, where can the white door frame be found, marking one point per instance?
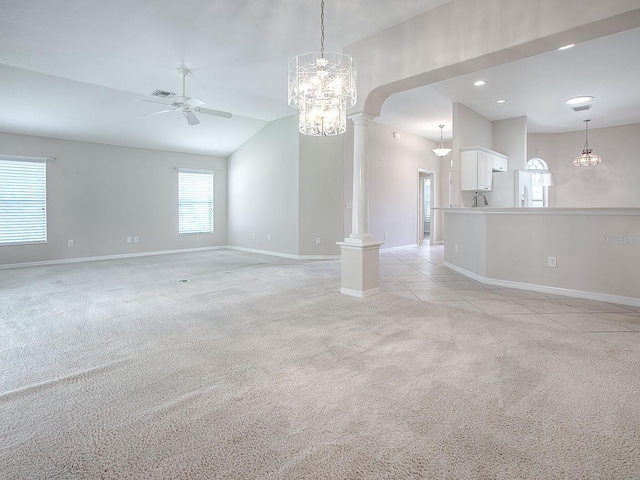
(423, 173)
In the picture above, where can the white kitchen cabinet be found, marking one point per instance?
(500, 162)
(476, 169)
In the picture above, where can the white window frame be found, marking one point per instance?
(23, 200)
(538, 165)
(196, 208)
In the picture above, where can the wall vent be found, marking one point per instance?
(162, 94)
(581, 108)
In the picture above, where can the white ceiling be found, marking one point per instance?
(77, 68)
(536, 87)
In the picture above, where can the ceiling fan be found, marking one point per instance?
(183, 104)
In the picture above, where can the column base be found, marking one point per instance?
(360, 262)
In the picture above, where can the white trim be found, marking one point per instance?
(26, 159)
(400, 247)
(166, 252)
(601, 297)
(108, 257)
(358, 293)
(466, 273)
(285, 255)
(197, 170)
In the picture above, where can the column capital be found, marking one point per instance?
(360, 118)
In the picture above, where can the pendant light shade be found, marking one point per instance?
(586, 157)
(321, 87)
(441, 151)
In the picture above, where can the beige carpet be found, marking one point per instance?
(256, 368)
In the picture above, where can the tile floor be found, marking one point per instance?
(417, 272)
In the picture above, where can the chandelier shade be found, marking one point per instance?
(586, 157)
(322, 85)
(441, 151)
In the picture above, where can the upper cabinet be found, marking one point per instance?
(477, 166)
(500, 162)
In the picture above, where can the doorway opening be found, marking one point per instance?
(427, 224)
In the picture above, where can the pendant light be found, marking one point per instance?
(321, 87)
(587, 157)
(441, 151)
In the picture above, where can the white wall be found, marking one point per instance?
(321, 194)
(510, 139)
(263, 189)
(614, 183)
(469, 129)
(607, 259)
(98, 195)
(393, 182)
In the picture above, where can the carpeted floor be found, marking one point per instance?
(255, 367)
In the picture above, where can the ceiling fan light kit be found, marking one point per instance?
(321, 87)
(183, 104)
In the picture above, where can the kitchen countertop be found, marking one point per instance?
(543, 211)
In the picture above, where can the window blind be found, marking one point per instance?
(23, 201)
(195, 202)
(427, 202)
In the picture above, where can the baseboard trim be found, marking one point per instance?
(285, 255)
(63, 261)
(108, 257)
(360, 294)
(567, 292)
(402, 247)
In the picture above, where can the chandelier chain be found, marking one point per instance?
(586, 137)
(322, 28)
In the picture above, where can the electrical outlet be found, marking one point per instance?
(456, 247)
(253, 236)
(269, 237)
(348, 205)
(136, 239)
(552, 262)
(386, 235)
(318, 240)
(70, 243)
(128, 239)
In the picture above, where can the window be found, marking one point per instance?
(541, 180)
(427, 199)
(195, 202)
(23, 200)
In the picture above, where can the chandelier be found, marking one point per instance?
(587, 157)
(322, 85)
(441, 151)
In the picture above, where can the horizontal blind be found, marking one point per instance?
(195, 202)
(23, 201)
(427, 202)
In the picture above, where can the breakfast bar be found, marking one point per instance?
(589, 253)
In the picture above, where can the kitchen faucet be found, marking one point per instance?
(475, 199)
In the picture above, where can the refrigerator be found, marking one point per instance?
(512, 188)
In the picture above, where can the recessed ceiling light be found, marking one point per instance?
(567, 47)
(577, 100)
(502, 100)
(479, 83)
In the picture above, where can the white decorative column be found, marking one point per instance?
(360, 252)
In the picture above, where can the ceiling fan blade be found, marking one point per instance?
(194, 102)
(217, 113)
(153, 101)
(161, 111)
(191, 118)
